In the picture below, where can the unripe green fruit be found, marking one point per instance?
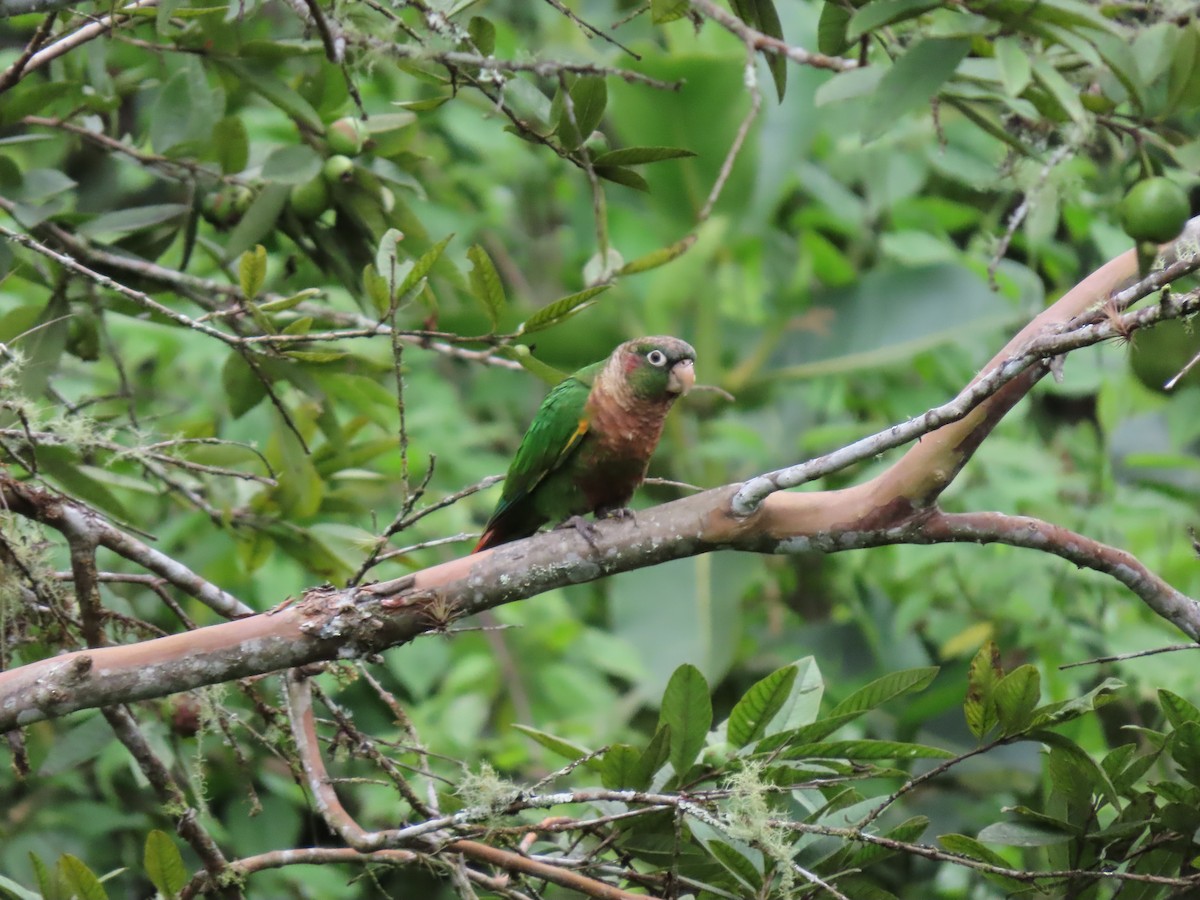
(338, 168)
(346, 136)
(225, 207)
(309, 199)
(1160, 352)
(1155, 209)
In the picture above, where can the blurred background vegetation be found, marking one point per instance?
(880, 233)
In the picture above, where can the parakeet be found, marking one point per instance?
(590, 443)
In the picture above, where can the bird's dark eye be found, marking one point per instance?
(656, 358)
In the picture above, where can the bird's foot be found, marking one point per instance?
(620, 513)
(583, 527)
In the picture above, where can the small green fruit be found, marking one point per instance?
(346, 136)
(338, 169)
(1160, 352)
(310, 199)
(225, 207)
(1155, 209)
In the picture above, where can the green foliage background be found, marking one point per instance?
(840, 284)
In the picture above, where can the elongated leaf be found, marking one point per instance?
(659, 257)
(1016, 70)
(632, 156)
(621, 768)
(561, 309)
(49, 882)
(125, 221)
(164, 865)
(423, 265)
(81, 879)
(907, 832)
(865, 749)
(624, 176)
(884, 689)
(654, 757)
(738, 865)
(12, 888)
(1083, 765)
(1016, 696)
(913, 81)
(485, 283)
(687, 710)
(980, 705)
(663, 11)
(564, 748)
(252, 271)
(532, 364)
(1061, 90)
(258, 221)
(483, 35)
(1177, 709)
(1056, 713)
(231, 144)
(1024, 834)
(294, 164)
(805, 734)
(882, 13)
(832, 27)
(274, 91)
(968, 846)
(750, 715)
(589, 97)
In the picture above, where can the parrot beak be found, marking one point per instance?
(682, 377)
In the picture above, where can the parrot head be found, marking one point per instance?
(657, 367)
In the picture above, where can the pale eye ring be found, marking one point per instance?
(656, 358)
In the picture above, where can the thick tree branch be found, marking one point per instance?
(325, 624)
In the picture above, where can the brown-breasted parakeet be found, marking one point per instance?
(590, 443)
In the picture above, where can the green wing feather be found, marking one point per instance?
(556, 430)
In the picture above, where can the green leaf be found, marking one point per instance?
(865, 749)
(750, 715)
(50, 883)
(138, 218)
(244, 389)
(664, 11)
(659, 257)
(1184, 747)
(171, 115)
(532, 364)
(632, 156)
(164, 865)
(1016, 70)
(980, 705)
(913, 81)
(805, 734)
(907, 832)
(882, 13)
(1056, 713)
(252, 271)
(274, 91)
(1023, 834)
(1074, 772)
(80, 878)
(736, 863)
(969, 847)
(886, 688)
(231, 144)
(316, 356)
(621, 768)
(1177, 709)
(483, 35)
(375, 286)
(653, 758)
(1060, 90)
(20, 892)
(423, 265)
(589, 97)
(624, 176)
(687, 711)
(388, 264)
(561, 309)
(1016, 696)
(485, 283)
(295, 164)
(564, 748)
(258, 221)
(832, 27)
